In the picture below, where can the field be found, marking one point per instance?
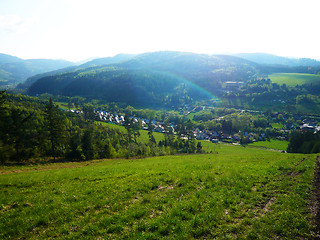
(273, 144)
(144, 137)
(277, 125)
(235, 193)
(293, 79)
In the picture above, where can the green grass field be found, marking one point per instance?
(277, 125)
(144, 137)
(236, 193)
(293, 79)
(273, 144)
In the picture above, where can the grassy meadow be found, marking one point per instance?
(293, 79)
(273, 144)
(235, 193)
(144, 137)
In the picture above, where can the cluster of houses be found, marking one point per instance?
(307, 125)
(197, 133)
(212, 136)
(119, 120)
(215, 137)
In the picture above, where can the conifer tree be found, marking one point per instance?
(55, 127)
(87, 144)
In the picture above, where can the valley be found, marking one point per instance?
(162, 145)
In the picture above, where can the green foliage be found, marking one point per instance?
(14, 70)
(165, 78)
(33, 130)
(55, 127)
(304, 142)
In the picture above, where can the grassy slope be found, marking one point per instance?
(237, 193)
(293, 79)
(273, 144)
(144, 137)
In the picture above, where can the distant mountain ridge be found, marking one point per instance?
(150, 78)
(15, 70)
(107, 60)
(90, 64)
(269, 59)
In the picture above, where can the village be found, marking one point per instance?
(306, 124)
(212, 136)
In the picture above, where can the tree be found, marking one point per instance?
(199, 147)
(19, 132)
(55, 127)
(87, 144)
(74, 147)
(109, 150)
(3, 148)
(128, 126)
(152, 140)
(88, 113)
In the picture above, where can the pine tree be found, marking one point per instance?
(199, 147)
(87, 144)
(19, 132)
(55, 127)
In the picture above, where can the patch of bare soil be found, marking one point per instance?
(315, 204)
(162, 188)
(295, 174)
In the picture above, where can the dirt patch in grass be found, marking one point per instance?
(295, 174)
(163, 188)
(315, 203)
(268, 205)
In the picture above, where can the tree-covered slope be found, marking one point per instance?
(14, 70)
(138, 87)
(108, 60)
(150, 78)
(93, 63)
(269, 59)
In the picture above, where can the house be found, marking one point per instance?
(307, 127)
(215, 134)
(159, 128)
(201, 136)
(236, 138)
(214, 140)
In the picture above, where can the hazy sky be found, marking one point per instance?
(76, 29)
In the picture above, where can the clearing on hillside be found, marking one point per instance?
(293, 79)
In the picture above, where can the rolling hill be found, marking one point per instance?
(92, 63)
(150, 78)
(14, 70)
(269, 59)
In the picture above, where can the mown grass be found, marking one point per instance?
(237, 193)
(273, 144)
(293, 79)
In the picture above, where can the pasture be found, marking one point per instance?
(234, 193)
(273, 144)
(293, 79)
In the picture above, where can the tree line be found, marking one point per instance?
(32, 128)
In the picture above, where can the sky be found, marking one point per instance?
(80, 29)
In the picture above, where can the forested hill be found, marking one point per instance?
(269, 59)
(15, 70)
(93, 63)
(108, 60)
(150, 78)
